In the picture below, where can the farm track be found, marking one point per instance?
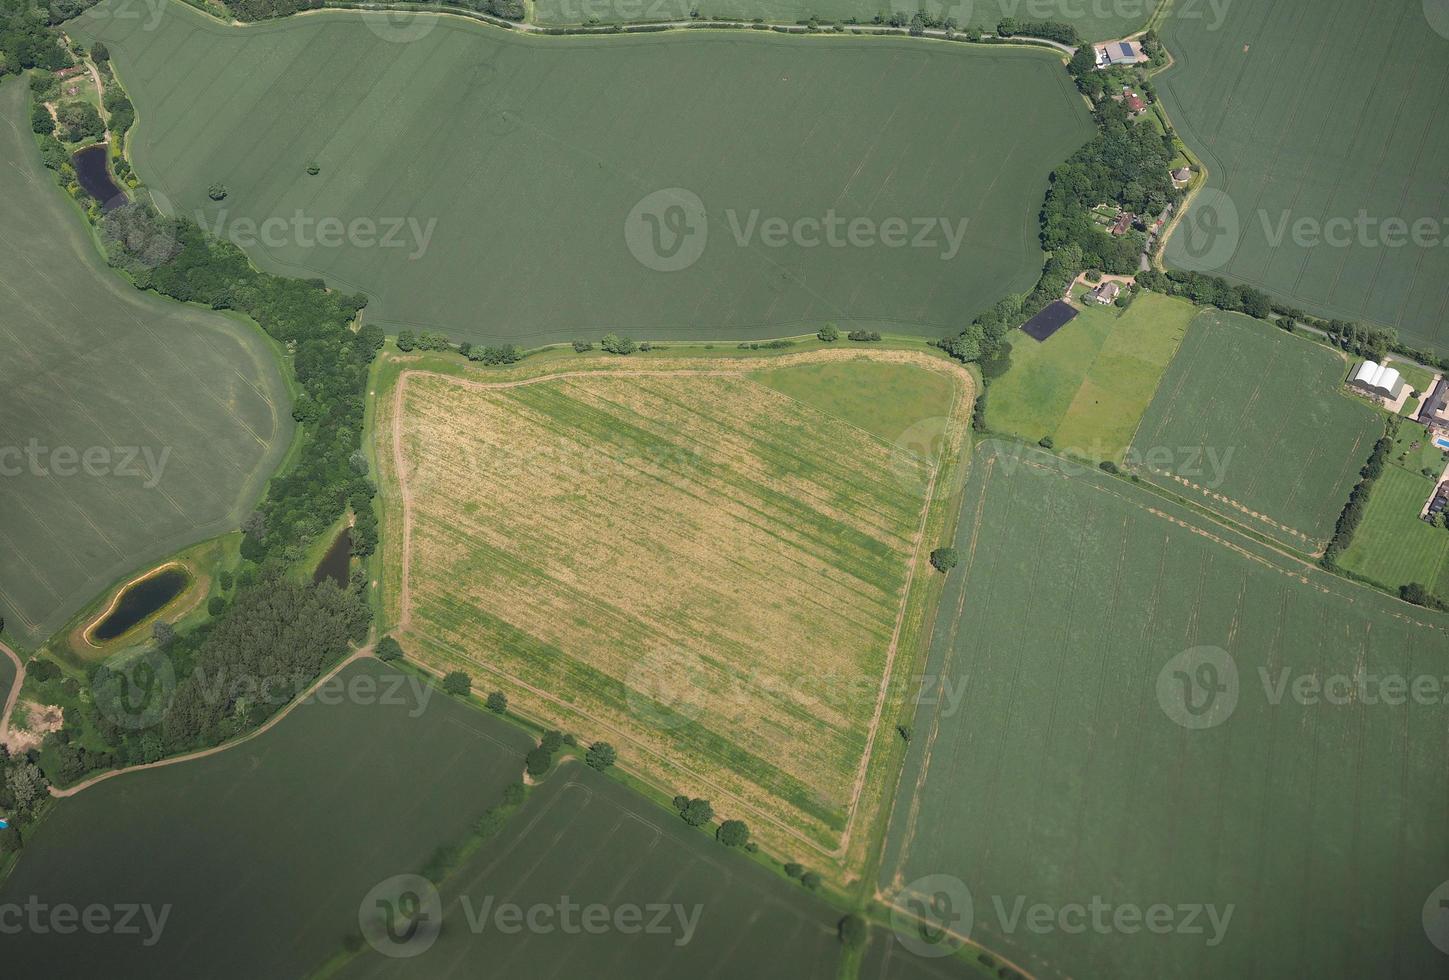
(14, 689)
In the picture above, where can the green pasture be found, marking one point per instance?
(184, 412)
(1319, 111)
(1095, 22)
(1392, 546)
(485, 184)
(1054, 773)
(592, 840)
(265, 851)
(1255, 423)
(1088, 384)
(885, 399)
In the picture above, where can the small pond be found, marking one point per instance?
(337, 563)
(92, 169)
(139, 600)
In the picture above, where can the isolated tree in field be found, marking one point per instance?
(457, 682)
(217, 191)
(615, 344)
(497, 702)
(601, 756)
(852, 931)
(944, 559)
(389, 649)
(733, 833)
(696, 812)
(829, 333)
(537, 761)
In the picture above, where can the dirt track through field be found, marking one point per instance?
(14, 690)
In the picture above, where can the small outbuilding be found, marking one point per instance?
(1378, 379)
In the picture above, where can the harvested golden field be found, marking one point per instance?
(700, 569)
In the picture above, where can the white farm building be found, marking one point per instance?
(1378, 379)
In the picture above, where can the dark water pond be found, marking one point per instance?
(141, 599)
(93, 171)
(337, 563)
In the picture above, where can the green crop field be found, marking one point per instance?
(1095, 22)
(265, 851)
(130, 426)
(1255, 423)
(533, 189)
(709, 573)
(1260, 92)
(1392, 546)
(1088, 384)
(590, 840)
(1057, 765)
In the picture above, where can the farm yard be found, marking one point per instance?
(675, 557)
(1254, 423)
(1087, 385)
(1095, 22)
(1075, 595)
(466, 172)
(131, 426)
(588, 838)
(1260, 93)
(264, 851)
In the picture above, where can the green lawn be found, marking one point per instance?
(1392, 546)
(488, 179)
(884, 398)
(1260, 92)
(1089, 383)
(1050, 770)
(1095, 22)
(184, 412)
(1255, 423)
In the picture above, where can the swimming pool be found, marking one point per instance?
(1441, 442)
